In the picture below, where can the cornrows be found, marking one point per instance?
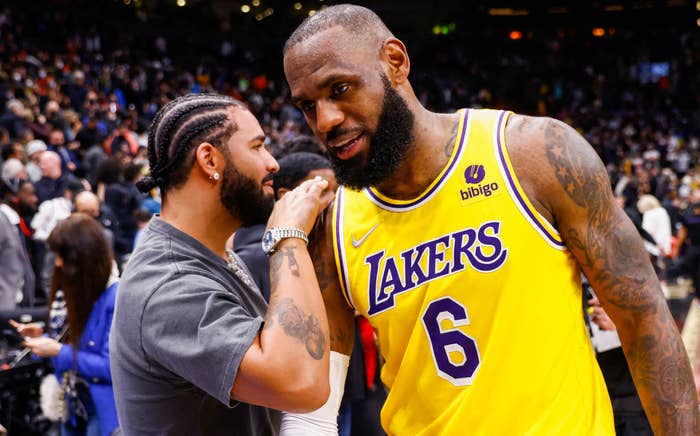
(175, 130)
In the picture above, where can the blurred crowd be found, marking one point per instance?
(76, 100)
(77, 95)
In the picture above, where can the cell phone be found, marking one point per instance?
(12, 336)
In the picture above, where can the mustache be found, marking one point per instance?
(268, 177)
(337, 132)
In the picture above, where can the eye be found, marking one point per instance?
(340, 89)
(306, 106)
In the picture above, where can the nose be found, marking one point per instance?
(271, 164)
(328, 116)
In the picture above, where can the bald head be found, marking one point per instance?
(50, 164)
(88, 203)
(360, 24)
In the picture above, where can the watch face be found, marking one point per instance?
(267, 241)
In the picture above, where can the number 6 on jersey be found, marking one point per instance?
(451, 340)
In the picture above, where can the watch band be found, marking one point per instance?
(290, 232)
(274, 235)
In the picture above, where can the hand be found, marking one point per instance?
(43, 346)
(598, 315)
(300, 206)
(327, 197)
(675, 251)
(31, 330)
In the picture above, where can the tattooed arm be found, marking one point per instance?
(341, 317)
(286, 366)
(573, 192)
(324, 421)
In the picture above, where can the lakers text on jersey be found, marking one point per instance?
(475, 298)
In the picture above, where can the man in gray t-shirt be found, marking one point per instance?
(188, 351)
(192, 320)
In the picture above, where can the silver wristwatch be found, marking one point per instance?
(274, 235)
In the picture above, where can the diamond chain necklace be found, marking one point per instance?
(234, 262)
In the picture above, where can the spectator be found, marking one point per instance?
(13, 172)
(57, 143)
(688, 262)
(35, 148)
(123, 198)
(54, 116)
(76, 90)
(4, 139)
(294, 169)
(13, 119)
(142, 218)
(49, 214)
(13, 150)
(657, 222)
(88, 203)
(17, 279)
(54, 181)
(304, 143)
(94, 156)
(152, 202)
(81, 307)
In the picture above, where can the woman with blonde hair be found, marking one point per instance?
(657, 222)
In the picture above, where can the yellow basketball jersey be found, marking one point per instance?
(476, 300)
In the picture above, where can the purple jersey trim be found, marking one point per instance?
(345, 285)
(514, 189)
(401, 207)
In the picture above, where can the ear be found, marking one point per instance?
(208, 159)
(396, 56)
(280, 192)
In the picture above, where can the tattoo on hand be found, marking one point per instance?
(298, 325)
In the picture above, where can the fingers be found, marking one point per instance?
(300, 206)
(21, 328)
(32, 329)
(317, 186)
(29, 343)
(304, 186)
(313, 186)
(594, 302)
(326, 199)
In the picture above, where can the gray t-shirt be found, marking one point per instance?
(182, 324)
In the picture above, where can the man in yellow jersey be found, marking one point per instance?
(461, 237)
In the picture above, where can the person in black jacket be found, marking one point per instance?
(294, 169)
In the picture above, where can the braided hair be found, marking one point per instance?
(177, 128)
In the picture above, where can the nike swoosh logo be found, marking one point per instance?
(356, 243)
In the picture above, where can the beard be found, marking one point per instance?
(388, 146)
(243, 197)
